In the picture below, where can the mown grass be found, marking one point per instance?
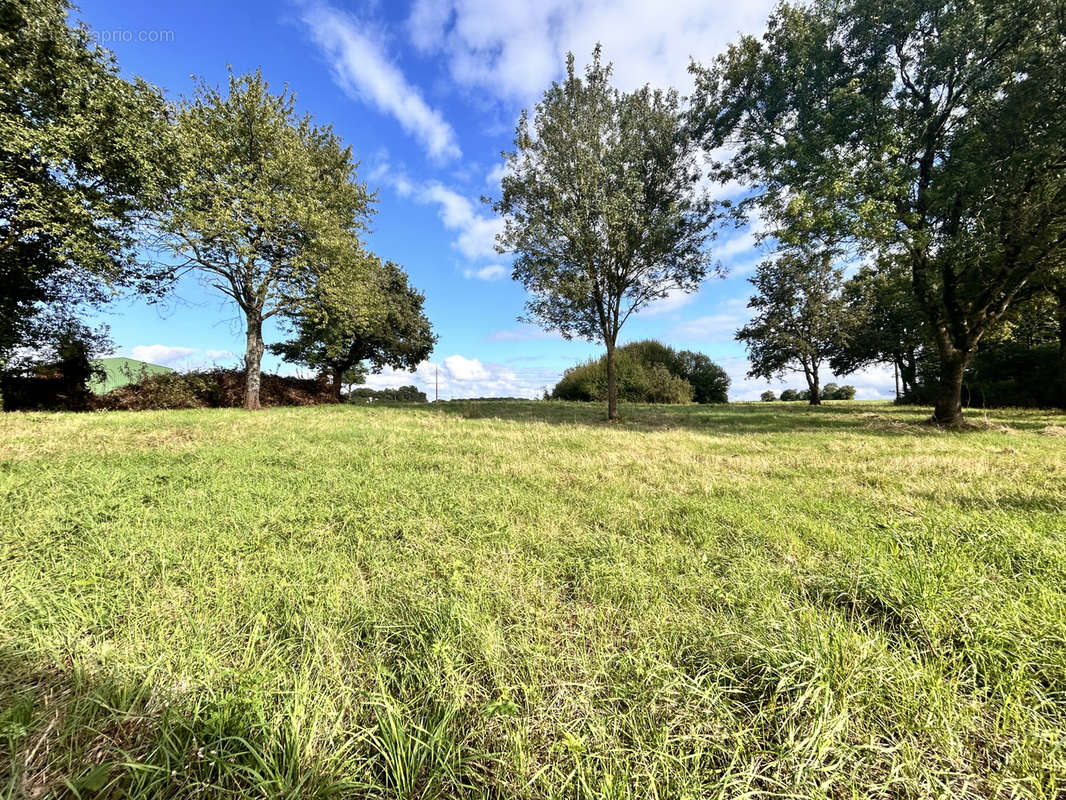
(518, 600)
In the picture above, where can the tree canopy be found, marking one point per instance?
(335, 334)
(798, 313)
(82, 163)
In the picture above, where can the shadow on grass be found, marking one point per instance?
(862, 417)
(66, 733)
(736, 418)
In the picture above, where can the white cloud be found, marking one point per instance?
(675, 299)
(465, 369)
(219, 355)
(458, 376)
(513, 49)
(523, 333)
(362, 68)
(493, 272)
(495, 175)
(476, 232)
(163, 354)
(875, 383)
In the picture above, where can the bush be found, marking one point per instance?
(769, 397)
(647, 372)
(845, 392)
(663, 387)
(216, 388)
(790, 395)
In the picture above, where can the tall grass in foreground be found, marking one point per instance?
(515, 600)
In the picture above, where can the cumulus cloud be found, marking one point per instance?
(362, 68)
(458, 376)
(493, 272)
(513, 48)
(476, 232)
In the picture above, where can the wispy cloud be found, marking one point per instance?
(475, 231)
(362, 68)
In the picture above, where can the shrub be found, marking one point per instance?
(769, 397)
(790, 395)
(663, 387)
(647, 372)
(216, 388)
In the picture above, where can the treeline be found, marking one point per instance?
(647, 372)
(809, 316)
(828, 392)
(107, 187)
(401, 394)
(923, 142)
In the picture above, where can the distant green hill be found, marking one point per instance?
(122, 372)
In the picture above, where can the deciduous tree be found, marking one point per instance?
(267, 204)
(82, 161)
(798, 310)
(602, 207)
(343, 334)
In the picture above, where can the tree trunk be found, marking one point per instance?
(337, 375)
(1061, 297)
(253, 359)
(612, 385)
(947, 411)
(814, 388)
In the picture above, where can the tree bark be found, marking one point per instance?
(947, 411)
(612, 385)
(813, 387)
(335, 390)
(1060, 295)
(253, 361)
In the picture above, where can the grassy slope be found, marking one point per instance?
(122, 372)
(419, 602)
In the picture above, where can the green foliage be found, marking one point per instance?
(798, 313)
(401, 394)
(882, 324)
(602, 206)
(710, 383)
(748, 600)
(81, 166)
(929, 132)
(768, 396)
(832, 391)
(267, 208)
(790, 395)
(647, 372)
(343, 333)
(59, 373)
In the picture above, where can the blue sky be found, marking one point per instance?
(427, 94)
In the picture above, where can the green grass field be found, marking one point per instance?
(518, 600)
